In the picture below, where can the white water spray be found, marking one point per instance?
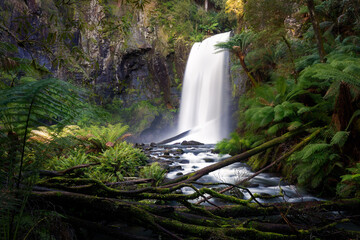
(204, 107)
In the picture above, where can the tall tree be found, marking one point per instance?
(320, 44)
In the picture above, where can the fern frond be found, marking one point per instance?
(102, 135)
(306, 61)
(260, 117)
(28, 106)
(340, 138)
(275, 128)
(322, 75)
(241, 41)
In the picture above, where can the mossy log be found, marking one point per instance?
(93, 200)
(177, 222)
(237, 158)
(94, 208)
(301, 144)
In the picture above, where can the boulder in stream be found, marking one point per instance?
(189, 143)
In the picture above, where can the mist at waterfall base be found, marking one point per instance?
(204, 107)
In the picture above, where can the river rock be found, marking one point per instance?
(209, 160)
(235, 192)
(189, 143)
(179, 174)
(179, 151)
(175, 168)
(184, 161)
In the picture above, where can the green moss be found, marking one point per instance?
(258, 161)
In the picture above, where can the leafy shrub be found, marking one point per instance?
(75, 158)
(154, 171)
(350, 183)
(123, 160)
(318, 162)
(233, 146)
(102, 137)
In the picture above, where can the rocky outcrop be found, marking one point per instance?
(133, 65)
(113, 49)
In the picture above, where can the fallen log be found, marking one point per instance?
(181, 135)
(283, 157)
(191, 177)
(176, 224)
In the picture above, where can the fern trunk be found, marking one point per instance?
(245, 68)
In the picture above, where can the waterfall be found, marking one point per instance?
(204, 106)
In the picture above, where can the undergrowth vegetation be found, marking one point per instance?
(47, 127)
(292, 88)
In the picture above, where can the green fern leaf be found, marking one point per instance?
(294, 125)
(340, 138)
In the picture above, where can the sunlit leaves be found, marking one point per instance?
(235, 6)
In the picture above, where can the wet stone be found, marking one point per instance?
(235, 192)
(188, 143)
(168, 162)
(179, 174)
(209, 160)
(184, 161)
(195, 167)
(179, 151)
(175, 168)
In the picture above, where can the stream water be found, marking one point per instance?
(204, 117)
(185, 159)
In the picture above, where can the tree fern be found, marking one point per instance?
(314, 163)
(306, 61)
(340, 138)
(103, 137)
(242, 40)
(350, 183)
(260, 117)
(286, 110)
(28, 106)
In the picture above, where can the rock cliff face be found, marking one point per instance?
(124, 55)
(135, 64)
(116, 50)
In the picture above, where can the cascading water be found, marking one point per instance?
(204, 107)
(204, 111)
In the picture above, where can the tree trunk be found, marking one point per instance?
(316, 27)
(243, 65)
(206, 5)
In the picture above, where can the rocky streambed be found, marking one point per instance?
(180, 159)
